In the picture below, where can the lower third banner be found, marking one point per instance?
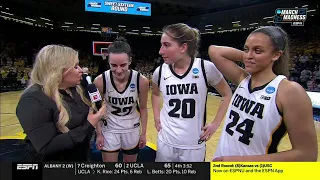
(170, 171)
(86, 170)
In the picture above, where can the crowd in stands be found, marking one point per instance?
(17, 52)
(15, 73)
(305, 63)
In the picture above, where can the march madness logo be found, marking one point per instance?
(295, 16)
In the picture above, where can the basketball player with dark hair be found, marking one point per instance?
(183, 80)
(126, 94)
(265, 105)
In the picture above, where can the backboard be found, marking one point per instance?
(100, 48)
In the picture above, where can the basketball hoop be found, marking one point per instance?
(100, 48)
(104, 56)
(104, 53)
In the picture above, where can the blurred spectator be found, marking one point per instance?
(305, 76)
(303, 59)
(311, 85)
(317, 76)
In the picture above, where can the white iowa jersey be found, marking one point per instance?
(253, 124)
(122, 113)
(184, 106)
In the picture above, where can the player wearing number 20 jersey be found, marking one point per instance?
(181, 83)
(184, 102)
(253, 124)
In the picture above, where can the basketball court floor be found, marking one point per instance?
(11, 129)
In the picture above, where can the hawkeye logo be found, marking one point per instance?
(295, 16)
(27, 166)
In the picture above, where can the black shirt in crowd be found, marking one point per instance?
(38, 115)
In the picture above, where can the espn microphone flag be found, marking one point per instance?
(94, 95)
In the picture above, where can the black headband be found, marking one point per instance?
(276, 35)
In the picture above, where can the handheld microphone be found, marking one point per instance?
(95, 97)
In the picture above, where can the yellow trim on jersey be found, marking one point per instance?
(270, 138)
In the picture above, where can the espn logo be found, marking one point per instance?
(95, 96)
(27, 166)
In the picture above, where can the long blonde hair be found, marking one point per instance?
(50, 63)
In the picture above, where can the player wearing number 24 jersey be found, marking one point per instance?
(265, 105)
(183, 81)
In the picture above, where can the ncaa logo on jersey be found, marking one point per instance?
(195, 72)
(132, 86)
(270, 90)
